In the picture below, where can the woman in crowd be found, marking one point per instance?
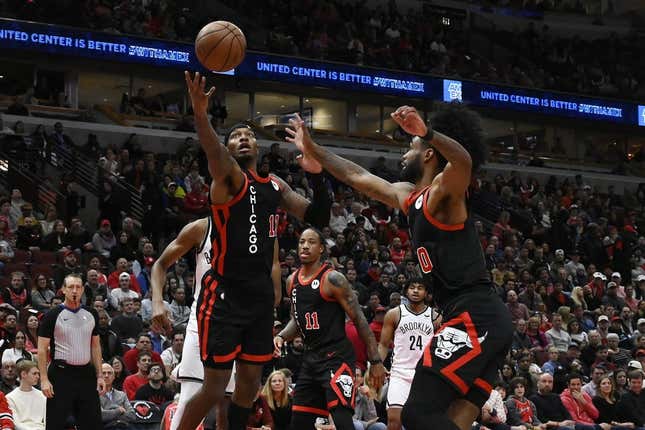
(122, 248)
(508, 372)
(606, 401)
(57, 239)
(18, 352)
(31, 344)
(276, 394)
(41, 295)
(620, 382)
(120, 372)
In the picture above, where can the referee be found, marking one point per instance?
(73, 381)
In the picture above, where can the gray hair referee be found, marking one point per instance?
(73, 381)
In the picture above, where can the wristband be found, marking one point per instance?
(379, 361)
(429, 135)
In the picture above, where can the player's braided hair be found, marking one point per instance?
(455, 120)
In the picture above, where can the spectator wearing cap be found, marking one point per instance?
(70, 266)
(611, 296)
(377, 323)
(617, 355)
(558, 263)
(124, 291)
(615, 326)
(573, 265)
(615, 277)
(103, 240)
(557, 336)
(597, 285)
(603, 326)
(631, 406)
(640, 327)
(114, 280)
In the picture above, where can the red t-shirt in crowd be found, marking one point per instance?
(132, 383)
(130, 359)
(113, 282)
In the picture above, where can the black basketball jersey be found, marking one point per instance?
(244, 230)
(450, 256)
(321, 319)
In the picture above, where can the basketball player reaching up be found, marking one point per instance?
(190, 372)
(411, 327)
(235, 306)
(453, 379)
(320, 298)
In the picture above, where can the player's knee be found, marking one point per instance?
(415, 419)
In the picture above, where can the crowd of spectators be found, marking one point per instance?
(422, 40)
(566, 258)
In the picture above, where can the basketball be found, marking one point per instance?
(220, 46)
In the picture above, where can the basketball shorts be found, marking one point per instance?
(326, 380)
(233, 326)
(467, 350)
(191, 368)
(398, 388)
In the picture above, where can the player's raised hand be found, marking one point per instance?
(298, 134)
(196, 89)
(278, 343)
(160, 322)
(376, 376)
(410, 121)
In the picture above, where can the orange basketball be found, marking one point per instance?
(220, 46)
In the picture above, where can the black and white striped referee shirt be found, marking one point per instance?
(70, 333)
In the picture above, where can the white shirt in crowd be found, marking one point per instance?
(28, 408)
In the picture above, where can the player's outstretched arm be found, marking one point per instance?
(344, 170)
(390, 322)
(221, 165)
(336, 286)
(456, 174)
(189, 237)
(315, 212)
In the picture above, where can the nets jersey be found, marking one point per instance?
(203, 259)
(412, 334)
(321, 319)
(243, 232)
(450, 256)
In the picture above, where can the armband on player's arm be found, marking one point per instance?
(318, 211)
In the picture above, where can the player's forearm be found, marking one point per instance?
(219, 161)
(157, 280)
(290, 331)
(276, 278)
(97, 357)
(344, 170)
(451, 150)
(367, 336)
(383, 351)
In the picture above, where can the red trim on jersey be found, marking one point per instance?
(204, 314)
(290, 284)
(412, 196)
(256, 358)
(436, 222)
(228, 357)
(301, 282)
(483, 385)
(309, 410)
(259, 178)
(449, 370)
(235, 198)
(322, 293)
(332, 404)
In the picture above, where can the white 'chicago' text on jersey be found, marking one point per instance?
(411, 336)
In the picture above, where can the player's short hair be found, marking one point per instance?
(572, 376)
(464, 125)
